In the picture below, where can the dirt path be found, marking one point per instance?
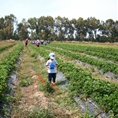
(30, 98)
(4, 43)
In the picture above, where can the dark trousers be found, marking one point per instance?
(26, 44)
(51, 77)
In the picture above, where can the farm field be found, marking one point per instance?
(88, 71)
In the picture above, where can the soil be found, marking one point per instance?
(31, 97)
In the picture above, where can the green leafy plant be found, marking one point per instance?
(41, 113)
(34, 55)
(24, 83)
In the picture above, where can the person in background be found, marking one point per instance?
(38, 42)
(52, 69)
(26, 42)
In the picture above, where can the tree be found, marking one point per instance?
(33, 26)
(23, 30)
(9, 22)
(93, 26)
(2, 23)
(81, 28)
(45, 24)
(1, 34)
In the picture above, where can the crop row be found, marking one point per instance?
(93, 48)
(100, 64)
(6, 47)
(102, 52)
(7, 64)
(81, 82)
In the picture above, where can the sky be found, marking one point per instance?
(100, 9)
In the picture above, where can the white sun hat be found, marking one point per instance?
(52, 54)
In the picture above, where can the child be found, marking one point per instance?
(51, 65)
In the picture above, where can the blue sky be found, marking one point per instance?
(100, 9)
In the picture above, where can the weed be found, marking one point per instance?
(42, 113)
(45, 86)
(86, 114)
(24, 83)
(92, 69)
(34, 55)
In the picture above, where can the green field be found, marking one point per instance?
(90, 69)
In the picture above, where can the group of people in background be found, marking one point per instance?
(36, 42)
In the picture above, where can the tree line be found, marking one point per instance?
(59, 29)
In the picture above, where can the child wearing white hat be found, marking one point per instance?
(52, 69)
